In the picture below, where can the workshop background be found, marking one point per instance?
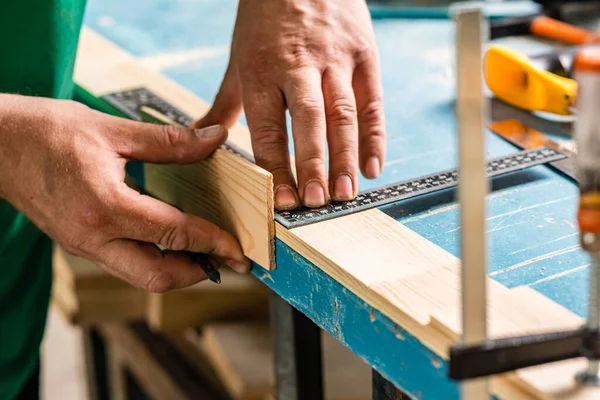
(188, 41)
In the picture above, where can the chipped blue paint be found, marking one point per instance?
(392, 351)
(531, 224)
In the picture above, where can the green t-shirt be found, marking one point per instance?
(38, 41)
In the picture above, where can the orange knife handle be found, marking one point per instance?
(557, 30)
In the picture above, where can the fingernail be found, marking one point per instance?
(373, 168)
(343, 187)
(237, 266)
(285, 198)
(209, 132)
(314, 195)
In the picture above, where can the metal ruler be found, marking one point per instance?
(131, 101)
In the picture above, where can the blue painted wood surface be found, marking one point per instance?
(531, 224)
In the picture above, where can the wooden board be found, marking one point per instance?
(228, 190)
(239, 296)
(127, 354)
(86, 295)
(390, 267)
(236, 349)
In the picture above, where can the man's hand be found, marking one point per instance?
(318, 59)
(63, 165)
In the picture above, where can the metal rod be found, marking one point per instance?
(590, 242)
(297, 344)
(473, 185)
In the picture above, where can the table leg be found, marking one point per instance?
(94, 354)
(297, 348)
(385, 390)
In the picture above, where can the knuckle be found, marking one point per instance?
(342, 112)
(158, 281)
(270, 149)
(173, 137)
(270, 135)
(295, 55)
(373, 140)
(364, 50)
(311, 161)
(343, 156)
(216, 243)
(308, 108)
(372, 112)
(174, 238)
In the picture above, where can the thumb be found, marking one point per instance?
(228, 102)
(166, 143)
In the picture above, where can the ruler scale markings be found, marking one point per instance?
(130, 101)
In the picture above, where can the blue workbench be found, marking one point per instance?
(531, 225)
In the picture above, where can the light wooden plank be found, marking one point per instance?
(128, 351)
(235, 349)
(390, 267)
(86, 295)
(239, 296)
(227, 189)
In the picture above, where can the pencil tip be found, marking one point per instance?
(214, 276)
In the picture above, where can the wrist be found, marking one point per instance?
(11, 131)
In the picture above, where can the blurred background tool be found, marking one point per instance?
(513, 78)
(587, 137)
(542, 26)
(566, 9)
(492, 357)
(442, 9)
(522, 136)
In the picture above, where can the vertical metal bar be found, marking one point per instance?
(473, 186)
(385, 390)
(95, 364)
(297, 349)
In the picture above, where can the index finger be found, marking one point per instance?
(265, 112)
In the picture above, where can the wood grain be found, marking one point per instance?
(225, 189)
(393, 269)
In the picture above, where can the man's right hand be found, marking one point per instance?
(63, 166)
